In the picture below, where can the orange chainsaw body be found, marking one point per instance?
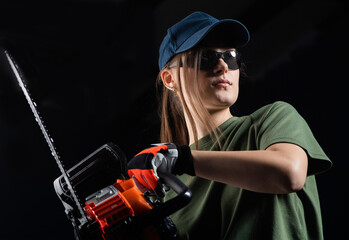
(117, 202)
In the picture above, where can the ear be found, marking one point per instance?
(167, 79)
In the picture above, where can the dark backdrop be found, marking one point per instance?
(91, 68)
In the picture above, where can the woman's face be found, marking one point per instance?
(219, 86)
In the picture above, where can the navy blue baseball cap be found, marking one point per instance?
(191, 30)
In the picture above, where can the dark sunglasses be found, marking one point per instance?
(209, 59)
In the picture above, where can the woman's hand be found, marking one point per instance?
(163, 157)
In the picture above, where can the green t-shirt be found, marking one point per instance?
(220, 211)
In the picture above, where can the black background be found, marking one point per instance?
(91, 68)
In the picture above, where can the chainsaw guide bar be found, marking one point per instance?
(21, 81)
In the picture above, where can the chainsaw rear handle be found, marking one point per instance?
(183, 197)
(173, 182)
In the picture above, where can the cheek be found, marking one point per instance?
(235, 79)
(204, 83)
(235, 75)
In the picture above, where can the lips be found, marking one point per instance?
(222, 83)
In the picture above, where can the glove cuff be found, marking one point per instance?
(184, 163)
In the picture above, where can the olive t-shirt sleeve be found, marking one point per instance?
(280, 122)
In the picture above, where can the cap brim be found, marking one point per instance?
(231, 32)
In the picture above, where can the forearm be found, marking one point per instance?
(279, 169)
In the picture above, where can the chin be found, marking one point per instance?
(226, 100)
(219, 105)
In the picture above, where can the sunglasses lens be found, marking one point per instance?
(208, 60)
(231, 58)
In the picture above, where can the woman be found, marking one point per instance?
(252, 177)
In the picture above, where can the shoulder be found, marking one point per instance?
(277, 109)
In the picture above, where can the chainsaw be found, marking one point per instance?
(100, 199)
(116, 206)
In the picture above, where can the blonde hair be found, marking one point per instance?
(171, 110)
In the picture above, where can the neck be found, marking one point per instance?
(218, 117)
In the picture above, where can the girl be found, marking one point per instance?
(252, 177)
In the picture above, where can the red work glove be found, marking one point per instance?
(166, 158)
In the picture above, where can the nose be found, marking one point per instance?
(220, 67)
